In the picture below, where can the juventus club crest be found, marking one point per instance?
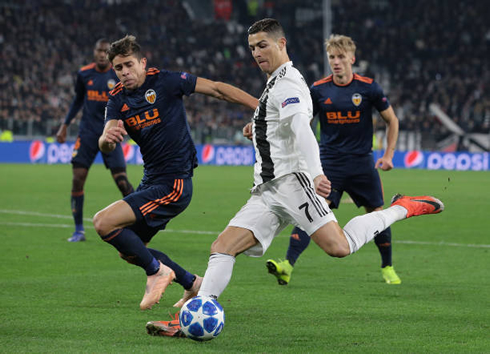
(356, 99)
(151, 96)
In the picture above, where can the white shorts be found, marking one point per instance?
(290, 199)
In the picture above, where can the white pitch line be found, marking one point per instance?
(34, 213)
(199, 232)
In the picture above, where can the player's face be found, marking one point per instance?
(267, 52)
(341, 63)
(130, 71)
(100, 55)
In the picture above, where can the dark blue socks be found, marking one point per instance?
(133, 249)
(298, 242)
(77, 210)
(383, 241)
(182, 276)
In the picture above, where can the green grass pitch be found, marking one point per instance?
(62, 297)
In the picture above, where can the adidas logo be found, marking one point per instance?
(125, 108)
(328, 101)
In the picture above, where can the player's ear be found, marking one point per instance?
(282, 43)
(353, 60)
(143, 62)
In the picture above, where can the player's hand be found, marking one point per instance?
(116, 134)
(61, 134)
(247, 131)
(384, 163)
(323, 187)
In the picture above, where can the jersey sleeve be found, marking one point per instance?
(77, 102)
(113, 110)
(314, 100)
(380, 101)
(184, 83)
(292, 99)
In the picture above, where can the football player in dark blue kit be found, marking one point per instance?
(147, 104)
(344, 102)
(94, 81)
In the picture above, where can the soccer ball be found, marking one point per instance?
(202, 318)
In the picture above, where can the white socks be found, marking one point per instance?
(218, 274)
(364, 228)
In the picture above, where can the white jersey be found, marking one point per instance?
(276, 153)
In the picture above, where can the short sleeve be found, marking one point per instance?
(314, 100)
(292, 99)
(184, 82)
(111, 110)
(380, 101)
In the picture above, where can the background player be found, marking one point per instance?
(93, 84)
(148, 105)
(344, 103)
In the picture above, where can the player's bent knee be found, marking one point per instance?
(100, 224)
(338, 252)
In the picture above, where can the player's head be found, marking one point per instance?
(341, 53)
(128, 62)
(100, 53)
(267, 42)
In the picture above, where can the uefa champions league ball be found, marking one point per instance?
(202, 318)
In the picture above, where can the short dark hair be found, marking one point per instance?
(101, 40)
(125, 46)
(269, 25)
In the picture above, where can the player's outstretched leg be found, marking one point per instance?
(191, 292)
(418, 205)
(156, 285)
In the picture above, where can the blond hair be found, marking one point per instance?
(341, 43)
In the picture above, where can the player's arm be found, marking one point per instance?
(114, 133)
(225, 92)
(386, 161)
(74, 109)
(308, 146)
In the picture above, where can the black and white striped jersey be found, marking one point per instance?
(276, 153)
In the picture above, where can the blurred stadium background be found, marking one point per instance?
(431, 58)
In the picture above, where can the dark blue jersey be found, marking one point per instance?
(345, 113)
(92, 91)
(155, 118)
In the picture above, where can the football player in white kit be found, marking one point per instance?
(289, 184)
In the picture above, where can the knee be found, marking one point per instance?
(77, 184)
(338, 251)
(100, 224)
(218, 246)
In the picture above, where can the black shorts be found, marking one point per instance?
(357, 176)
(86, 149)
(155, 205)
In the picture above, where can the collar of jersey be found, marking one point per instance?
(278, 70)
